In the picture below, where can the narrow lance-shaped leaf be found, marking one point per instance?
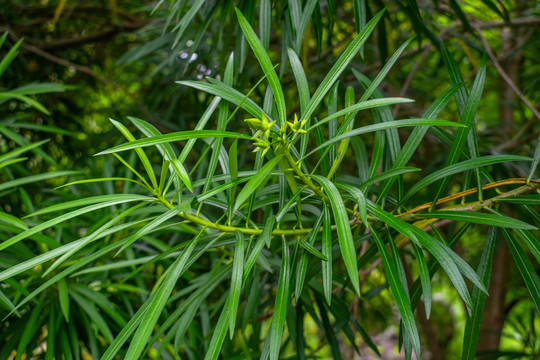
(345, 238)
(460, 167)
(327, 252)
(340, 66)
(172, 137)
(472, 327)
(236, 280)
(382, 126)
(157, 303)
(467, 119)
(266, 65)
(479, 218)
(526, 269)
(398, 291)
(281, 304)
(256, 181)
(536, 160)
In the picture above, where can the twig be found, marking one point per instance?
(504, 75)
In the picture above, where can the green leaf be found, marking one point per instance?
(368, 104)
(460, 167)
(312, 250)
(360, 199)
(34, 178)
(472, 327)
(63, 298)
(301, 269)
(20, 150)
(479, 218)
(62, 218)
(383, 126)
(281, 304)
(236, 280)
(12, 220)
(532, 243)
(340, 65)
(8, 58)
(301, 80)
(530, 200)
(345, 238)
(424, 277)
(327, 252)
(467, 118)
(148, 228)
(256, 181)
(157, 303)
(525, 267)
(182, 173)
(398, 291)
(266, 65)
(172, 137)
(264, 238)
(140, 152)
(227, 93)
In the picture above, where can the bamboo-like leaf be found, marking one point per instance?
(383, 126)
(62, 218)
(467, 118)
(460, 167)
(34, 178)
(479, 218)
(525, 268)
(360, 199)
(11, 54)
(236, 280)
(21, 150)
(172, 137)
(327, 252)
(63, 298)
(368, 104)
(228, 93)
(264, 238)
(530, 200)
(182, 173)
(218, 336)
(340, 66)
(301, 80)
(266, 65)
(281, 304)
(424, 277)
(157, 303)
(400, 296)
(301, 269)
(472, 327)
(12, 220)
(304, 243)
(345, 239)
(148, 228)
(387, 175)
(529, 240)
(140, 152)
(256, 181)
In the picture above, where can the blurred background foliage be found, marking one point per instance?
(108, 59)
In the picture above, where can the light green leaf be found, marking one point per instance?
(327, 252)
(345, 238)
(172, 137)
(256, 181)
(398, 291)
(340, 66)
(382, 126)
(472, 327)
(266, 65)
(281, 304)
(479, 218)
(34, 178)
(157, 303)
(236, 281)
(460, 167)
